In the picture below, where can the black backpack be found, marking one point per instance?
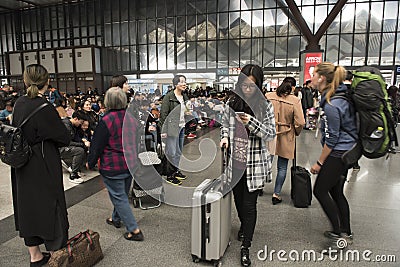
(14, 149)
(369, 96)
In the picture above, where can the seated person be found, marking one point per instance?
(6, 114)
(75, 151)
(92, 117)
(84, 133)
(60, 105)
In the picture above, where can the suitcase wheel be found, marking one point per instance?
(217, 263)
(135, 203)
(195, 259)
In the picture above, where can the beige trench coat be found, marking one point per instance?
(289, 121)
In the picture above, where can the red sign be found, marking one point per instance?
(311, 60)
(274, 83)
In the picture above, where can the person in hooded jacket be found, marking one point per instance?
(338, 131)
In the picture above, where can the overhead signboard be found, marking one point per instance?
(397, 70)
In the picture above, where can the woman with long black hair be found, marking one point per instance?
(248, 122)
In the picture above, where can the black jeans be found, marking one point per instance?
(328, 189)
(246, 206)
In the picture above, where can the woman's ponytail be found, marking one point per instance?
(35, 78)
(32, 91)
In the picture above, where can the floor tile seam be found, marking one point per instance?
(369, 206)
(373, 183)
(9, 219)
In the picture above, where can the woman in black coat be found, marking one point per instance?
(38, 193)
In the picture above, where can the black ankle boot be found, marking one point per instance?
(245, 257)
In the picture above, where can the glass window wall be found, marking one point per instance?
(205, 34)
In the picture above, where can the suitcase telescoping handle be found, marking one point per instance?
(224, 162)
(294, 159)
(223, 157)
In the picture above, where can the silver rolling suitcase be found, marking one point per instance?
(211, 220)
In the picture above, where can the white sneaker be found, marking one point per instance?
(201, 121)
(65, 166)
(77, 181)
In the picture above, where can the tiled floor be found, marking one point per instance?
(373, 194)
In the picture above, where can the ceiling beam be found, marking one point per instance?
(304, 29)
(283, 7)
(8, 8)
(331, 17)
(28, 2)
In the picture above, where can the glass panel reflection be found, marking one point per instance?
(268, 53)
(348, 18)
(390, 16)
(256, 51)
(201, 55)
(361, 17)
(233, 54)
(162, 57)
(181, 55)
(387, 50)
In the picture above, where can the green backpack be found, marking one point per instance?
(377, 132)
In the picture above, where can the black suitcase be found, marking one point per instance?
(301, 192)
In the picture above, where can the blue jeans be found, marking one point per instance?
(118, 190)
(173, 148)
(281, 174)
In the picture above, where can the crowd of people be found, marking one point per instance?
(86, 130)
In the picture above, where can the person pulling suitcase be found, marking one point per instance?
(245, 131)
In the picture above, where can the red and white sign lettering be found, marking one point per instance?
(311, 60)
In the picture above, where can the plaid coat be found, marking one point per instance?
(259, 159)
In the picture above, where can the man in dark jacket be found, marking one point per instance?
(172, 125)
(307, 99)
(75, 151)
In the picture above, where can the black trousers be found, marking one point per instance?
(246, 206)
(328, 189)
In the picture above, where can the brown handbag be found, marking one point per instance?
(82, 250)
